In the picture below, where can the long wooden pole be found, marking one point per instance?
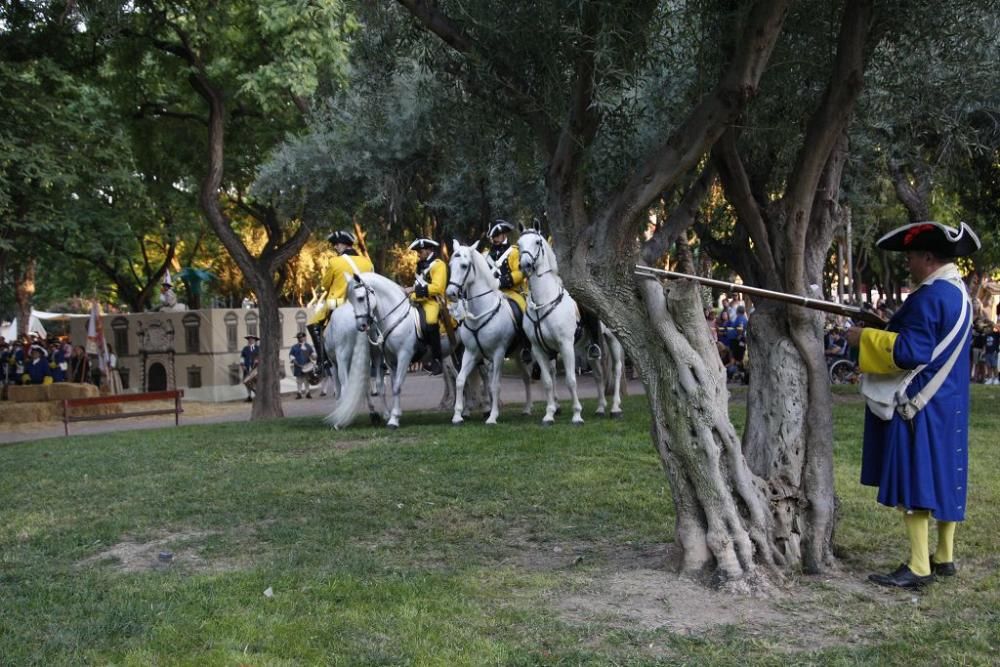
(853, 312)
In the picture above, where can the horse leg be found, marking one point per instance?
(402, 365)
(469, 362)
(600, 379)
(526, 379)
(543, 367)
(568, 352)
(495, 372)
(448, 375)
(618, 372)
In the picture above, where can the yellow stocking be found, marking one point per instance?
(946, 542)
(916, 522)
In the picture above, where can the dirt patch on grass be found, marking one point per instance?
(182, 550)
(808, 614)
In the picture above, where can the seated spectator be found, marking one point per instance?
(37, 370)
(835, 344)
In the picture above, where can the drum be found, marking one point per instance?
(251, 379)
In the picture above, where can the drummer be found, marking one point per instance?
(249, 358)
(303, 358)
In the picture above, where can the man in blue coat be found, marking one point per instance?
(916, 442)
(302, 355)
(249, 358)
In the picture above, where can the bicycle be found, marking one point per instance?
(842, 370)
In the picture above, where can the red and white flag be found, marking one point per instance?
(95, 336)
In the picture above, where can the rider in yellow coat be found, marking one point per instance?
(334, 283)
(506, 262)
(427, 290)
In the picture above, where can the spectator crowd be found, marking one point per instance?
(34, 359)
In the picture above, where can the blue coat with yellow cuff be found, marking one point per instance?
(923, 463)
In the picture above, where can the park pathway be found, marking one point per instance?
(420, 393)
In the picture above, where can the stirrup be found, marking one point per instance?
(594, 351)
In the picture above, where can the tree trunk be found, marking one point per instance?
(723, 523)
(259, 272)
(788, 438)
(24, 294)
(267, 404)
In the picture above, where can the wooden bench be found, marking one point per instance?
(175, 396)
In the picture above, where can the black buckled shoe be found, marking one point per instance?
(943, 569)
(903, 577)
(434, 367)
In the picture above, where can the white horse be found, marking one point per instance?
(551, 321)
(339, 339)
(488, 328)
(385, 314)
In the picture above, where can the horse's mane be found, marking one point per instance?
(483, 267)
(378, 281)
(551, 255)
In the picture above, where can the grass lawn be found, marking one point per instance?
(441, 545)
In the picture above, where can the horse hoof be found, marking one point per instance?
(549, 422)
(375, 418)
(392, 426)
(578, 422)
(599, 412)
(559, 410)
(617, 415)
(456, 421)
(491, 422)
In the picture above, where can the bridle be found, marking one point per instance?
(536, 256)
(537, 313)
(475, 323)
(370, 321)
(460, 284)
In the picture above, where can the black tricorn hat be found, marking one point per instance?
(932, 237)
(500, 227)
(340, 236)
(420, 244)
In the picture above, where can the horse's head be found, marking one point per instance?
(460, 267)
(531, 247)
(470, 274)
(362, 298)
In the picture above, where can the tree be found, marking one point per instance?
(253, 67)
(559, 69)
(782, 243)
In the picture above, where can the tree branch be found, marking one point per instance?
(823, 131)
(524, 101)
(679, 219)
(736, 185)
(707, 120)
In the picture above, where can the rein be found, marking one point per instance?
(536, 321)
(369, 315)
(489, 315)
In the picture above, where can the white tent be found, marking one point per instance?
(9, 331)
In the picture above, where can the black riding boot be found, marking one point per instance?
(316, 333)
(592, 327)
(432, 336)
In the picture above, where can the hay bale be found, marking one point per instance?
(28, 393)
(27, 413)
(49, 411)
(65, 390)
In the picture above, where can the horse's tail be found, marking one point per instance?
(353, 394)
